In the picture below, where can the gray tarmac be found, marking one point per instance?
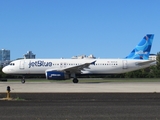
(84, 101)
(57, 87)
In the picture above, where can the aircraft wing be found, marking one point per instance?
(77, 68)
(146, 62)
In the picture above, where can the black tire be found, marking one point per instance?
(23, 81)
(75, 80)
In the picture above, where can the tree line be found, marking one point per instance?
(150, 72)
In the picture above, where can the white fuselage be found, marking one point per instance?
(101, 66)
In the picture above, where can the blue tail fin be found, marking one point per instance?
(142, 50)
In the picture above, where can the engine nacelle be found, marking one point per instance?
(56, 75)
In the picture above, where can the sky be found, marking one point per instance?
(66, 28)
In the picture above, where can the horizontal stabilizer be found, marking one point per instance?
(146, 62)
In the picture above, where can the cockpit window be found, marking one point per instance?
(12, 64)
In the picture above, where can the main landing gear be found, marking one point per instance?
(75, 80)
(73, 75)
(23, 80)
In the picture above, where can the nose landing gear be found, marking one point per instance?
(23, 80)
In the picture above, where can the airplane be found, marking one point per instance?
(62, 69)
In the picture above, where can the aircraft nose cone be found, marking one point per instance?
(4, 70)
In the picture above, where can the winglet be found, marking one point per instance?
(93, 63)
(142, 50)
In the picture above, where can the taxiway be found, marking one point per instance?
(56, 87)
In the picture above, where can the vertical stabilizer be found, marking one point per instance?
(142, 50)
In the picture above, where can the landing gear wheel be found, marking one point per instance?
(23, 81)
(75, 80)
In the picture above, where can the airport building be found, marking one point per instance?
(84, 57)
(29, 55)
(4, 57)
(152, 57)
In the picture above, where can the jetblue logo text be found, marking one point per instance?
(141, 52)
(54, 75)
(40, 64)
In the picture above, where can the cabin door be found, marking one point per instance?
(125, 64)
(22, 65)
